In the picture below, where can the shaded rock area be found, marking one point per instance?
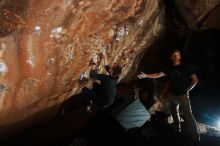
(45, 46)
(80, 128)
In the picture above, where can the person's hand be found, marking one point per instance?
(103, 52)
(163, 74)
(141, 75)
(94, 59)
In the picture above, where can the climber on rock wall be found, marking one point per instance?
(102, 94)
(180, 80)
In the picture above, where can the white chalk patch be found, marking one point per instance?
(57, 36)
(52, 60)
(118, 38)
(70, 52)
(140, 22)
(30, 62)
(53, 31)
(111, 33)
(3, 67)
(56, 32)
(126, 30)
(37, 29)
(48, 73)
(122, 32)
(30, 52)
(59, 29)
(48, 10)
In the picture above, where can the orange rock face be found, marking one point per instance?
(45, 46)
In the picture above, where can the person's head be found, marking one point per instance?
(175, 56)
(115, 70)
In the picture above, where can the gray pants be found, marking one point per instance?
(182, 103)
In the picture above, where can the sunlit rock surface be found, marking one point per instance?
(46, 45)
